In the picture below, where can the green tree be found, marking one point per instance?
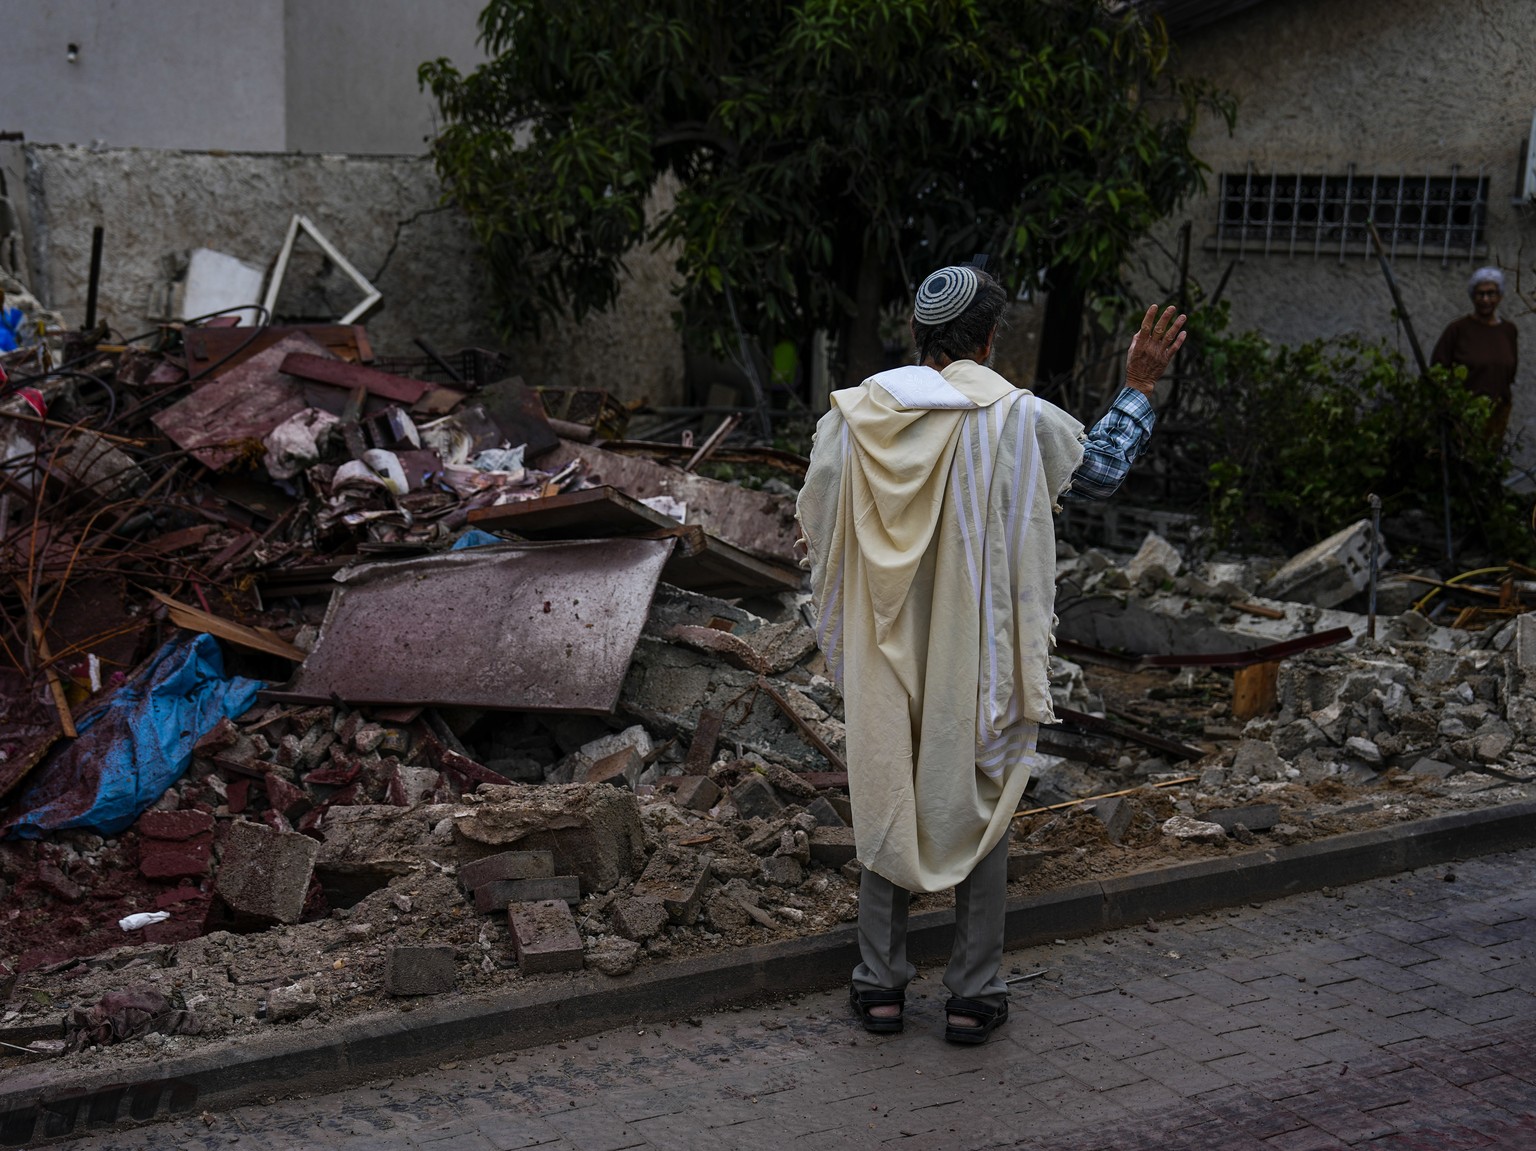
(827, 153)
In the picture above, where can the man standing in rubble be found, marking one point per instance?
(927, 516)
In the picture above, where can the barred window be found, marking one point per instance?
(1418, 217)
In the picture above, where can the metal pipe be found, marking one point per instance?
(1370, 621)
(95, 281)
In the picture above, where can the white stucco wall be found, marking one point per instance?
(1391, 86)
(382, 212)
(167, 74)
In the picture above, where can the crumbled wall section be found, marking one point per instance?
(383, 213)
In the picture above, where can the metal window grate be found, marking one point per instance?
(1435, 217)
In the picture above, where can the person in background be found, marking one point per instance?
(1486, 346)
(926, 514)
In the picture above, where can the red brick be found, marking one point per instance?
(506, 865)
(174, 824)
(285, 797)
(238, 795)
(179, 859)
(544, 936)
(500, 893)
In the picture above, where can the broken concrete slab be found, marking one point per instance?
(1194, 830)
(692, 792)
(622, 768)
(265, 874)
(1257, 817)
(1156, 559)
(1329, 572)
(544, 937)
(419, 971)
(593, 831)
(612, 956)
(1115, 813)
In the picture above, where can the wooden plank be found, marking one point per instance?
(255, 638)
(595, 513)
(322, 370)
(1254, 689)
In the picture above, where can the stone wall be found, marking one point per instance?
(382, 212)
(1390, 86)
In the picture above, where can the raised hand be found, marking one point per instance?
(1153, 347)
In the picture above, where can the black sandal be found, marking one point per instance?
(990, 1019)
(862, 1001)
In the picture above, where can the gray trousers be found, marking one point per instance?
(975, 961)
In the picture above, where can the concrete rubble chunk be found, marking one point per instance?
(419, 970)
(640, 918)
(544, 937)
(174, 825)
(1115, 813)
(825, 814)
(755, 798)
(506, 865)
(612, 956)
(1363, 748)
(1194, 830)
(294, 1001)
(832, 846)
(1256, 757)
(678, 878)
(1156, 558)
(693, 792)
(1328, 573)
(593, 831)
(783, 871)
(265, 873)
(1432, 768)
(500, 893)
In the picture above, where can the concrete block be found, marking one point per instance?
(419, 970)
(635, 738)
(639, 919)
(1525, 642)
(294, 1001)
(825, 814)
(1021, 861)
(265, 873)
(544, 937)
(499, 893)
(1114, 813)
(694, 792)
(1156, 558)
(783, 871)
(1258, 817)
(1433, 768)
(622, 768)
(506, 865)
(1330, 572)
(755, 798)
(613, 956)
(832, 846)
(678, 878)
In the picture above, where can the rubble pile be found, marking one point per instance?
(336, 682)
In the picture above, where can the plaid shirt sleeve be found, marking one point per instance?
(1112, 446)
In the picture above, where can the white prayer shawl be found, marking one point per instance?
(927, 510)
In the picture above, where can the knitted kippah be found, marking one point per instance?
(945, 295)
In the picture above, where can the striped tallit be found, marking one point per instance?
(927, 508)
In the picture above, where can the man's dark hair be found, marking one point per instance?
(961, 337)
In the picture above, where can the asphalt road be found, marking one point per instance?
(1391, 1014)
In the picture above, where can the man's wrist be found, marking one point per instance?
(1145, 387)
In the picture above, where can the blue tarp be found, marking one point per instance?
(475, 538)
(133, 747)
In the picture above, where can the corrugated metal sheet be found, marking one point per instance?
(535, 627)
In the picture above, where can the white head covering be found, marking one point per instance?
(945, 295)
(1488, 275)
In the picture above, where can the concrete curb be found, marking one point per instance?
(41, 1104)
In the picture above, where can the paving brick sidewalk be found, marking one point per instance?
(1393, 1014)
